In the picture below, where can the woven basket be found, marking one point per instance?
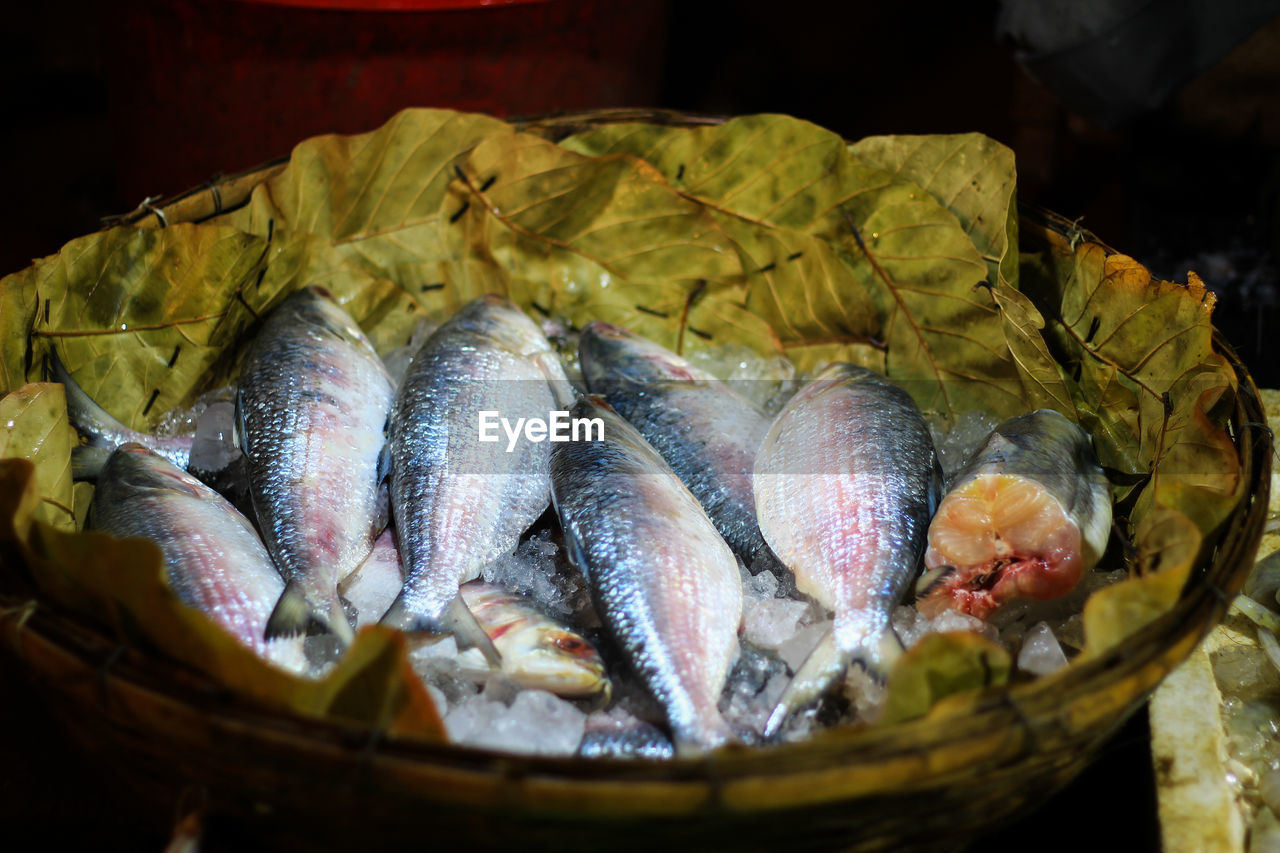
(932, 783)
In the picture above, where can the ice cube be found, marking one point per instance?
(214, 446)
(1269, 788)
(865, 694)
(536, 723)
(398, 360)
(323, 652)
(1040, 653)
(536, 569)
(795, 650)
(439, 669)
(374, 585)
(956, 444)
(771, 622)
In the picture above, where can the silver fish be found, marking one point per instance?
(845, 483)
(215, 561)
(707, 432)
(459, 502)
(538, 652)
(101, 430)
(664, 581)
(310, 416)
(1026, 517)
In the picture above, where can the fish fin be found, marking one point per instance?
(937, 485)
(468, 633)
(400, 617)
(87, 462)
(562, 389)
(240, 435)
(933, 579)
(457, 620)
(825, 664)
(90, 420)
(294, 615)
(719, 733)
(878, 656)
(384, 462)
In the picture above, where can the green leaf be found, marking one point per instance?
(33, 426)
(838, 251)
(1168, 544)
(974, 177)
(137, 315)
(971, 175)
(942, 665)
(374, 203)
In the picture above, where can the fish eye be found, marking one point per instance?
(568, 643)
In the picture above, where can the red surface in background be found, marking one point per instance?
(391, 5)
(201, 87)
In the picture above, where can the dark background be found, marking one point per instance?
(104, 105)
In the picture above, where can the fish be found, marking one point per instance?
(311, 410)
(666, 585)
(538, 652)
(1026, 517)
(460, 502)
(213, 557)
(616, 734)
(707, 432)
(99, 429)
(845, 483)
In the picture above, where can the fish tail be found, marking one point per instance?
(824, 665)
(87, 462)
(562, 389)
(92, 421)
(294, 615)
(878, 655)
(715, 732)
(468, 633)
(457, 620)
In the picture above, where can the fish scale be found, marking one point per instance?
(664, 581)
(310, 412)
(460, 503)
(706, 431)
(845, 483)
(214, 560)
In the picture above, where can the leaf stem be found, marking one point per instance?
(80, 333)
(893, 290)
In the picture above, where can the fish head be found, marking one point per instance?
(315, 306)
(559, 661)
(610, 353)
(501, 321)
(133, 467)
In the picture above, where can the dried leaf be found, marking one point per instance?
(942, 665)
(137, 315)
(974, 177)
(33, 426)
(1168, 544)
(765, 231)
(897, 268)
